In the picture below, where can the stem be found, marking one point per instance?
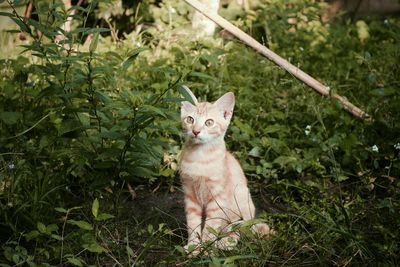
(91, 92)
(29, 129)
(170, 86)
(62, 237)
(128, 142)
(135, 129)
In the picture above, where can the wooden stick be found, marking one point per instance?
(298, 73)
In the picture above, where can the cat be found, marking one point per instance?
(213, 181)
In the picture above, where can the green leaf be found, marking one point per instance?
(31, 235)
(75, 261)
(84, 118)
(141, 172)
(274, 128)
(81, 224)
(6, 14)
(56, 237)
(8, 252)
(180, 249)
(51, 228)
(212, 230)
(104, 217)
(103, 97)
(167, 172)
(132, 56)
(129, 251)
(69, 125)
(362, 30)
(341, 178)
(255, 152)
(89, 30)
(17, 259)
(184, 91)
(230, 260)
(41, 227)
(47, 31)
(244, 127)
(383, 92)
(149, 108)
(94, 247)
(95, 41)
(95, 207)
(9, 117)
(285, 160)
(21, 25)
(201, 75)
(109, 134)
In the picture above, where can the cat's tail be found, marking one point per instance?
(263, 230)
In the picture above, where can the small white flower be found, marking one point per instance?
(172, 10)
(307, 131)
(11, 166)
(397, 146)
(375, 148)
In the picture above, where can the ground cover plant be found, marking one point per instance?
(82, 118)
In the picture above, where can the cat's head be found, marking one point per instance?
(207, 122)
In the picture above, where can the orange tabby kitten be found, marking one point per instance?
(214, 184)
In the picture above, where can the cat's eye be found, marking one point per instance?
(209, 123)
(189, 120)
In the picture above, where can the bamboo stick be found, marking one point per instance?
(298, 73)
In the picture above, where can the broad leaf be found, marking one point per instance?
(93, 44)
(95, 207)
(132, 56)
(81, 224)
(9, 117)
(94, 247)
(104, 217)
(41, 227)
(75, 261)
(183, 90)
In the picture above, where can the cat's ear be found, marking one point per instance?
(225, 104)
(187, 108)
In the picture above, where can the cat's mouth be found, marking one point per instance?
(196, 139)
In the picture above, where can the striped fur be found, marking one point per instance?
(214, 184)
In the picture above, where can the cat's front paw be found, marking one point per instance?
(263, 230)
(192, 249)
(227, 243)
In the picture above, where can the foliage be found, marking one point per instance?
(83, 116)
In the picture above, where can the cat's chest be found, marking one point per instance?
(201, 190)
(202, 164)
(204, 189)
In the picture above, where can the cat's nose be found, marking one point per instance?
(196, 133)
